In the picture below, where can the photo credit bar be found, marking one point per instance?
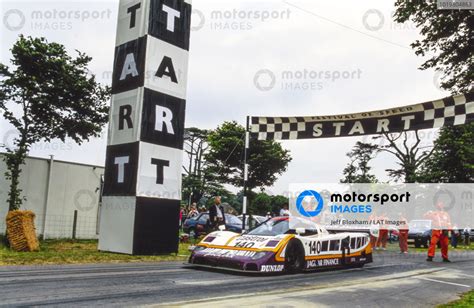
(388, 206)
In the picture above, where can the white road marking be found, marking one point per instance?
(445, 282)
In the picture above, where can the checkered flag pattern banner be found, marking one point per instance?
(449, 111)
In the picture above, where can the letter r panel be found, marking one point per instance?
(172, 131)
(119, 130)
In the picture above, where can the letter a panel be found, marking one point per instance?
(142, 180)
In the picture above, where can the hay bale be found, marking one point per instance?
(21, 231)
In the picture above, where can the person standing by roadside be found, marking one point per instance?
(284, 211)
(181, 215)
(454, 237)
(383, 234)
(193, 212)
(403, 234)
(440, 223)
(466, 234)
(216, 214)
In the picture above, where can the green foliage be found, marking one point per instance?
(447, 36)
(358, 170)
(47, 94)
(267, 159)
(278, 202)
(263, 203)
(197, 179)
(452, 160)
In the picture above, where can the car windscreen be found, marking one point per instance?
(271, 227)
(233, 220)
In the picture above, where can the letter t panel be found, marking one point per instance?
(139, 213)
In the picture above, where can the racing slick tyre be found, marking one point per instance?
(294, 257)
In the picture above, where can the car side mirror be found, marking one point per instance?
(300, 231)
(221, 228)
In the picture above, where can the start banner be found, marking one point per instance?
(449, 111)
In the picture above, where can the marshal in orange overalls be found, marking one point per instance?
(440, 223)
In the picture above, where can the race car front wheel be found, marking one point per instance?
(294, 257)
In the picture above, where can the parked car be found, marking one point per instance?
(199, 225)
(419, 233)
(254, 221)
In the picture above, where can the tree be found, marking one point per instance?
(47, 94)
(358, 170)
(453, 157)
(448, 35)
(225, 157)
(410, 156)
(196, 181)
(278, 202)
(261, 204)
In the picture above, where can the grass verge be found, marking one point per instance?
(466, 300)
(78, 252)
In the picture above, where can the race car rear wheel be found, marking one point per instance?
(294, 257)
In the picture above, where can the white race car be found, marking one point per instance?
(274, 247)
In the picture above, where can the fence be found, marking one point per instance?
(54, 191)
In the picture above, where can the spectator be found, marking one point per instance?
(466, 233)
(216, 214)
(193, 212)
(455, 237)
(284, 211)
(403, 234)
(181, 215)
(383, 234)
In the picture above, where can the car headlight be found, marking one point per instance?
(259, 255)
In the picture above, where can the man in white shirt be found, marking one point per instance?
(284, 211)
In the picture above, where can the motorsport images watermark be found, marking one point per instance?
(305, 79)
(376, 20)
(52, 16)
(392, 205)
(235, 19)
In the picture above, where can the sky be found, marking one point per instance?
(255, 58)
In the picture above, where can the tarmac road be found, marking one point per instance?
(393, 280)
